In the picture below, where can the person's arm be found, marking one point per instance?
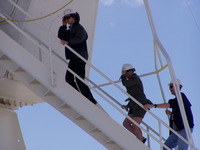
(62, 32)
(129, 82)
(63, 42)
(163, 105)
(124, 107)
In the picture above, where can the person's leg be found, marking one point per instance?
(171, 142)
(69, 77)
(128, 124)
(132, 127)
(181, 144)
(80, 71)
(136, 129)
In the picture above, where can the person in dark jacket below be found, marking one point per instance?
(176, 121)
(73, 34)
(134, 87)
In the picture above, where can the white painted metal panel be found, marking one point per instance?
(16, 94)
(11, 137)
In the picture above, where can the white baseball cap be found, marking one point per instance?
(69, 11)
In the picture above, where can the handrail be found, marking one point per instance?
(172, 73)
(42, 48)
(35, 42)
(47, 53)
(72, 71)
(142, 75)
(132, 98)
(98, 87)
(112, 82)
(6, 19)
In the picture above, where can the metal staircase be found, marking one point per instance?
(35, 75)
(17, 55)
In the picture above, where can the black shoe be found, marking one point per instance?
(144, 139)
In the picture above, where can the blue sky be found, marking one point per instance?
(123, 35)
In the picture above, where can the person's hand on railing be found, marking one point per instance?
(63, 42)
(124, 107)
(148, 106)
(168, 112)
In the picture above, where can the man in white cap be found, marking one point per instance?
(134, 87)
(73, 34)
(176, 118)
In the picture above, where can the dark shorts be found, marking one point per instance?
(137, 112)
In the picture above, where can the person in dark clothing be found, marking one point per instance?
(176, 121)
(171, 116)
(73, 34)
(134, 87)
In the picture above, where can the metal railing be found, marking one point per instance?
(160, 47)
(95, 87)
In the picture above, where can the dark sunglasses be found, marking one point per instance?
(171, 86)
(129, 70)
(67, 17)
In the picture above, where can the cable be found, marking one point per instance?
(37, 18)
(193, 17)
(12, 12)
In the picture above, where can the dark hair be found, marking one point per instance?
(76, 17)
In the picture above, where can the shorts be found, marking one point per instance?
(137, 112)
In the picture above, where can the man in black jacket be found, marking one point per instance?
(73, 34)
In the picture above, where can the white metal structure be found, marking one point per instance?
(35, 64)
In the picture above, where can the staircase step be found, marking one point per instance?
(64, 106)
(48, 93)
(53, 100)
(26, 76)
(110, 141)
(9, 63)
(4, 57)
(1, 55)
(79, 118)
(38, 87)
(19, 69)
